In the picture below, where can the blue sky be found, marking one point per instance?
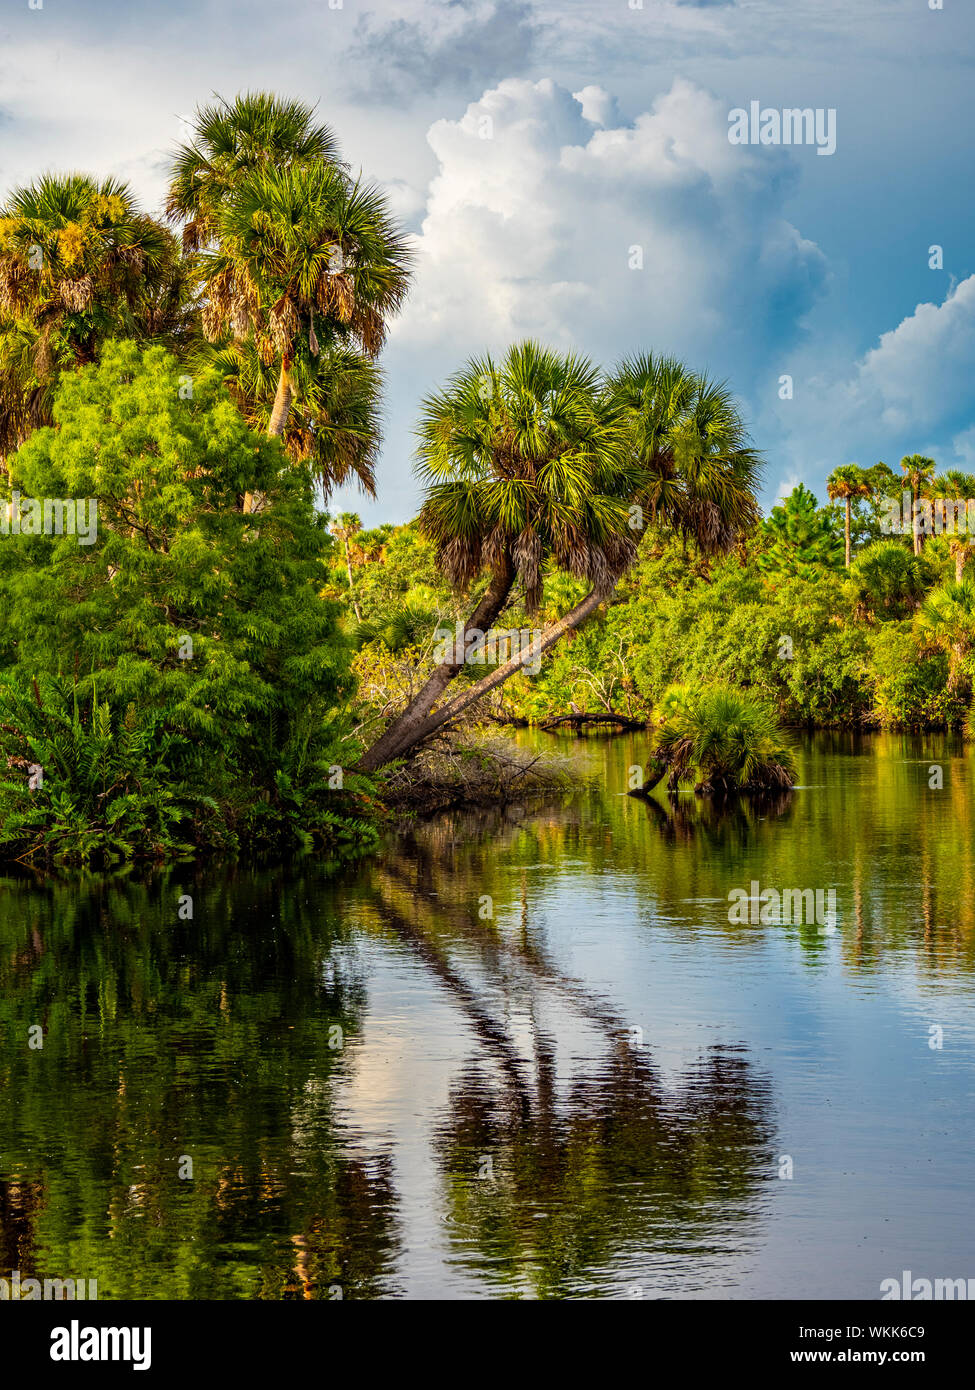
(530, 147)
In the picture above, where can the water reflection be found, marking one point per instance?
(516, 1054)
(170, 1042)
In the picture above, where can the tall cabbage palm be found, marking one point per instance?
(303, 258)
(257, 130)
(343, 528)
(525, 462)
(844, 484)
(956, 486)
(79, 263)
(919, 475)
(689, 435)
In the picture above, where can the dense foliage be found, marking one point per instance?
(186, 650)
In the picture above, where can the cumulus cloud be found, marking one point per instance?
(910, 393)
(549, 218)
(920, 373)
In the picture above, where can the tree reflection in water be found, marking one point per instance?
(565, 1178)
(166, 1039)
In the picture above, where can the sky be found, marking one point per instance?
(566, 174)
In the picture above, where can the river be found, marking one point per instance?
(517, 1053)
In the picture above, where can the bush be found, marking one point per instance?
(725, 739)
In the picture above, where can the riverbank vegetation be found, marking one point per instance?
(225, 665)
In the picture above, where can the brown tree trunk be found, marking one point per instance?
(848, 506)
(421, 729)
(280, 412)
(399, 735)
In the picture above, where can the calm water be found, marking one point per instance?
(599, 1091)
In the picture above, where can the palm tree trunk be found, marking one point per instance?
(348, 570)
(915, 517)
(849, 504)
(282, 401)
(421, 729)
(400, 734)
(280, 412)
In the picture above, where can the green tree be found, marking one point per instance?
(887, 580)
(846, 483)
(800, 538)
(727, 739)
(347, 525)
(301, 250)
(690, 437)
(525, 462)
(919, 475)
(537, 462)
(947, 619)
(957, 489)
(181, 611)
(257, 130)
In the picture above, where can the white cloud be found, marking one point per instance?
(539, 212)
(911, 393)
(920, 374)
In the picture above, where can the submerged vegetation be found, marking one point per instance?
(223, 666)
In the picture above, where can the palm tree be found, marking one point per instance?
(847, 482)
(919, 472)
(537, 461)
(726, 738)
(947, 619)
(689, 436)
(955, 486)
(525, 461)
(300, 250)
(231, 140)
(79, 263)
(334, 423)
(348, 524)
(886, 578)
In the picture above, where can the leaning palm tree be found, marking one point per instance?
(231, 140)
(303, 258)
(537, 462)
(525, 462)
(79, 263)
(689, 435)
(845, 483)
(919, 474)
(947, 619)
